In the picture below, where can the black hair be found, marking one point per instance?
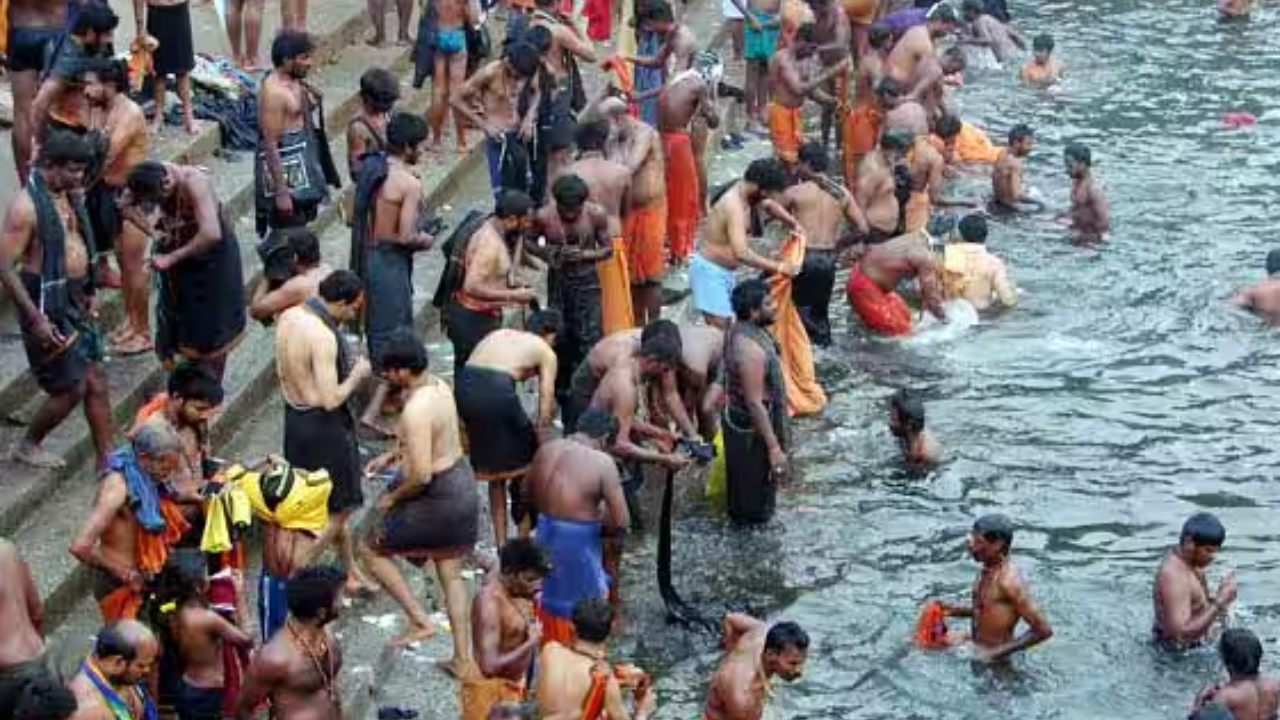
(513, 204)
(112, 643)
(313, 591)
(341, 286)
(523, 57)
(1241, 652)
(973, 228)
(969, 6)
(1020, 132)
(42, 697)
(191, 381)
(785, 635)
(879, 36)
(524, 555)
(814, 154)
(748, 297)
(943, 12)
(889, 86)
(111, 71)
(995, 528)
(96, 17)
(597, 424)
(570, 191)
(403, 351)
(60, 147)
(379, 89)
(540, 38)
(896, 138)
(657, 11)
(1078, 152)
(1042, 43)
(592, 619)
(1273, 261)
(661, 347)
(953, 60)
(661, 328)
(289, 44)
(545, 322)
(767, 174)
(304, 244)
(591, 135)
(910, 409)
(146, 180)
(1204, 529)
(406, 130)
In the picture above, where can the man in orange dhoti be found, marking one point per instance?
(687, 95)
(874, 96)
(788, 91)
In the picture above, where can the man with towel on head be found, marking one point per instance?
(688, 95)
(1263, 299)
(27, 683)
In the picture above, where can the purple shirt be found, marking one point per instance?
(903, 20)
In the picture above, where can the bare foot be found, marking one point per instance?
(376, 41)
(35, 456)
(404, 41)
(452, 667)
(251, 64)
(193, 128)
(132, 344)
(415, 634)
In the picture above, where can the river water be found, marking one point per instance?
(1120, 397)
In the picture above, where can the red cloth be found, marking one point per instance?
(882, 311)
(684, 196)
(599, 15)
(931, 626)
(555, 628)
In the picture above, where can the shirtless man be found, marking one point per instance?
(35, 27)
(1009, 192)
(687, 97)
(755, 652)
(875, 96)
(22, 661)
(760, 42)
(44, 267)
(833, 33)
(883, 186)
(872, 286)
(506, 89)
(701, 354)
(638, 146)
(1263, 299)
(200, 635)
(928, 177)
(987, 31)
(676, 45)
(501, 440)
(822, 205)
(284, 102)
(506, 637)
(913, 61)
(1185, 612)
(1090, 214)
(114, 675)
(297, 672)
(624, 393)
(318, 373)
(973, 273)
(309, 268)
(575, 486)
(453, 18)
(608, 180)
(575, 680)
(1248, 694)
(1000, 596)
(789, 88)
(906, 422)
(724, 243)
(1042, 70)
(121, 121)
(367, 131)
(568, 44)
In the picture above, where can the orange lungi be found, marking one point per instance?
(882, 311)
(785, 130)
(477, 695)
(615, 290)
(804, 395)
(684, 204)
(624, 80)
(860, 135)
(645, 229)
(861, 12)
(555, 628)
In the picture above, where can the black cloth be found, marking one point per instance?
(201, 308)
(237, 117)
(102, 203)
(575, 292)
(171, 26)
(31, 49)
(319, 439)
(751, 490)
(14, 680)
(388, 294)
(356, 167)
(465, 328)
(811, 293)
(501, 439)
(582, 387)
(439, 522)
(197, 703)
(374, 169)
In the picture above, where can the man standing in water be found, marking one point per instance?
(789, 88)
(1263, 299)
(971, 272)
(1248, 694)
(1009, 193)
(906, 422)
(1185, 613)
(913, 61)
(872, 287)
(755, 652)
(882, 186)
(1042, 70)
(1000, 596)
(987, 31)
(1090, 214)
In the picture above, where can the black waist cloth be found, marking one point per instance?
(582, 387)
(201, 309)
(318, 439)
(811, 293)
(171, 25)
(440, 522)
(58, 369)
(500, 436)
(14, 680)
(100, 201)
(751, 493)
(575, 292)
(388, 294)
(466, 328)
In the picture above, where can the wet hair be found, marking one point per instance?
(44, 698)
(146, 180)
(1020, 132)
(814, 154)
(313, 590)
(948, 126)
(896, 139)
(60, 147)
(111, 71)
(524, 555)
(95, 17)
(994, 528)
(889, 86)
(156, 437)
(1042, 43)
(512, 204)
(290, 44)
(973, 228)
(404, 131)
(540, 38)
(513, 711)
(1241, 652)
(1273, 261)
(341, 286)
(1078, 152)
(880, 36)
(592, 619)
(304, 244)
(523, 56)
(190, 381)
(1204, 529)
(910, 409)
(953, 60)
(1212, 711)
(784, 635)
(657, 11)
(545, 322)
(767, 174)
(748, 297)
(661, 347)
(596, 423)
(403, 351)
(570, 192)
(591, 136)
(379, 88)
(943, 13)
(661, 328)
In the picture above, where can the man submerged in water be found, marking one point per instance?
(906, 422)
(1248, 694)
(755, 651)
(972, 273)
(1042, 70)
(1090, 215)
(1185, 613)
(1263, 299)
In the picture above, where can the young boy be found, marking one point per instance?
(1042, 70)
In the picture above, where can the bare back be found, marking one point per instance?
(302, 340)
(515, 352)
(20, 610)
(428, 430)
(568, 480)
(819, 212)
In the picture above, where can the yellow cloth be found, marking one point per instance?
(615, 290)
(627, 32)
(804, 395)
(223, 511)
(305, 505)
(715, 492)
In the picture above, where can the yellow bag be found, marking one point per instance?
(715, 492)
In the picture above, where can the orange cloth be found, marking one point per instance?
(624, 80)
(882, 311)
(593, 703)
(599, 15)
(645, 229)
(972, 145)
(804, 395)
(784, 129)
(555, 628)
(121, 604)
(861, 12)
(615, 290)
(684, 204)
(153, 549)
(860, 134)
(931, 627)
(478, 694)
(4, 26)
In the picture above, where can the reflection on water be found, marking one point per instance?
(1119, 398)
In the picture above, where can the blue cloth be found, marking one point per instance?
(903, 20)
(273, 608)
(711, 286)
(577, 562)
(117, 705)
(760, 45)
(451, 41)
(144, 495)
(648, 78)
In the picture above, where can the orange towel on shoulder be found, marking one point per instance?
(785, 130)
(615, 290)
(804, 395)
(860, 134)
(684, 196)
(645, 229)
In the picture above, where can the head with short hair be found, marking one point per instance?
(591, 135)
(656, 16)
(1201, 538)
(597, 426)
(149, 183)
(312, 594)
(42, 697)
(880, 37)
(291, 53)
(906, 414)
(379, 90)
(806, 40)
(105, 79)
(403, 359)
(514, 211)
(948, 127)
(1042, 47)
(125, 651)
(64, 157)
(1022, 139)
(953, 61)
(540, 38)
(196, 392)
(751, 303)
(889, 92)
(406, 132)
(545, 323)
(524, 563)
(990, 538)
(342, 292)
(767, 177)
(813, 155)
(896, 141)
(786, 646)
(1079, 159)
(570, 193)
(660, 349)
(942, 19)
(592, 620)
(158, 448)
(522, 58)
(972, 9)
(973, 228)
(1273, 261)
(94, 25)
(1241, 652)
(305, 247)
